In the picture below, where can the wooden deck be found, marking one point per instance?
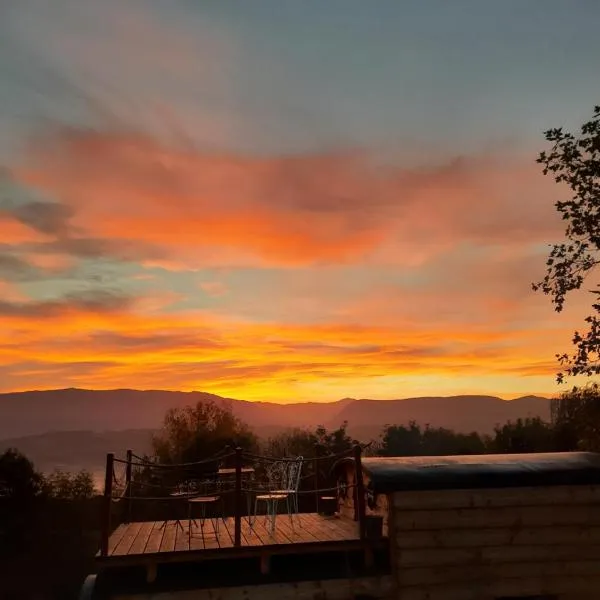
(139, 542)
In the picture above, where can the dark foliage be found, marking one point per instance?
(523, 435)
(49, 530)
(575, 426)
(576, 418)
(575, 162)
(304, 442)
(413, 440)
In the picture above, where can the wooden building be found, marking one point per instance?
(492, 527)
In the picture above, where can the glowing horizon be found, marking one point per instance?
(191, 201)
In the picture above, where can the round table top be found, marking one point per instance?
(204, 499)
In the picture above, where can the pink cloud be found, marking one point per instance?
(204, 208)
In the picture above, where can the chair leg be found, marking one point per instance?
(290, 510)
(249, 507)
(252, 520)
(274, 513)
(296, 508)
(189, 525)
(274, 507)
(222, 501)
(215, 522)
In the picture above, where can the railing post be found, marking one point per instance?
(238, 497)
(360, 490)
(316, 478)
(128, 493)
(106, 504)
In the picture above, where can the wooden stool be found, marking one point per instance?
(203, 501)
(328, 505)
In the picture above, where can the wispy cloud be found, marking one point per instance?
(91, 301)
(207, 209)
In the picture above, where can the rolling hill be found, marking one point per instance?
(36, 412)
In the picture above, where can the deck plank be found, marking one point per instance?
(196, 541)
(262, 528)
(152, 537)
(285, 528)
(229, 525)
(141, 539)
(247, 538)
(321, 529)
(225, 536)
(342, 528)
(115, 537)
(211, 537)
(167, 543)
(250, 537)
(155, 538)
(299, 532)
(312, 530)
(131, 531)
(182, 537)
(348, 529)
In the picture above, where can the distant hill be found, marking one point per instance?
(461, 413)
(32, 413)
(73, 429)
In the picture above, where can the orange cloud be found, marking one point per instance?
(200, 208)
(14, 232)
(107, 341)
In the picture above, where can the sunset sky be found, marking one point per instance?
(288, 199)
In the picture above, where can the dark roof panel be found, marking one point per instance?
(390, 474)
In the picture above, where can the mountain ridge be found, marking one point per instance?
(75, 409)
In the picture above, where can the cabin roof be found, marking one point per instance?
(390, 474)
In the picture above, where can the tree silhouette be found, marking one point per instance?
(522, 436)
(576, 418)
(19, 481)
(575, 161)
(413, 440)
(198, 432)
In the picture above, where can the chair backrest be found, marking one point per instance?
(284, 474)
(294, 471)
(276, 475)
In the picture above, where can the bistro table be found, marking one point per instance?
(226, 472)
(177, 495)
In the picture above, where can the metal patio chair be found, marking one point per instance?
(283, 480)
